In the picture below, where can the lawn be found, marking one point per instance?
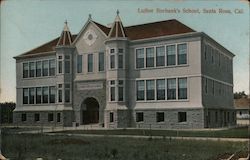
(31, 146)
(227, 133)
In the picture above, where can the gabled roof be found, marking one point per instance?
(102, 27)
(151, 30)
(136, 32)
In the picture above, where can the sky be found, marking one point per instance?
(27, 24)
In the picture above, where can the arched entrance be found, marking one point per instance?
(90, 111)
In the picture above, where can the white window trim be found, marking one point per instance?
(70, 63)
(165, 100)
(165, 54)
(60, 60)
(35, 61)
(104, 62)
(35, 87)
(76, 66)
(70, 93)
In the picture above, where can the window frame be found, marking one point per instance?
(37, 117)
(182, 119)
(139, 117)
(101, 67)
(111, 117)
(50, 117)
(90, 56)
(159, 117)
(79, 63)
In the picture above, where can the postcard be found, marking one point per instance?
(126, 79)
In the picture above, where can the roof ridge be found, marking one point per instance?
(152, 23)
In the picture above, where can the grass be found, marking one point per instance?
(228, 133)
(31, 146)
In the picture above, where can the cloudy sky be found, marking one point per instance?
(27, 24)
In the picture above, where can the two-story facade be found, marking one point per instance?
(159, 75)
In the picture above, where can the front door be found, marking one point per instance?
(90, 113)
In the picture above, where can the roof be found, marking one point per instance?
(136, 32)
(242, 103)
(117, 29)
(65, 38)
(47, 47)
(156, 29)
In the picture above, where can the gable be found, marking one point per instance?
(90, 39)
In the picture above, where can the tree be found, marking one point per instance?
(238, 95)
(6, 112)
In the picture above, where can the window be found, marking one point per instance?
(140, 58)
(160, 85)
(120, 61)
(79, 63)
(52, 67)
(90, 62)
(120, 50)
(139, 116)
(209, 118)
(120, 91)
(206, 85)
(160, 56)
(60, 92)
(31, 95)
(205, 51)
(212, 55)
(171, 89)
(38, 69)
(112, 50)
(37, 117)
(216, 116)
(140, 90)
(38, 95)
(111, 117)
(159, 116)
(45, 94)
(25, 96)
(60, 64)
(58, 117)
(213, 89)
(52, 94)
(182, 53)
(149, 57)
(182, 88)
(50, 117)
(150, 87)
(32, 69)
(24, 117)
(219, 59)
(112, 82)
(182, 116)
(112, 90)
(112, 61)
(171, 55)
(45, 68)
(67, 93)
(101, 61)
(25, 70)
(67, 64)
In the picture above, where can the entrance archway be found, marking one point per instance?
(90, 111)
